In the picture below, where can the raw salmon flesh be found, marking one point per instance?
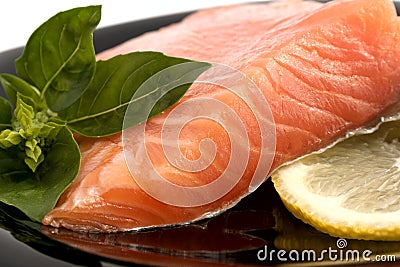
(325, 70)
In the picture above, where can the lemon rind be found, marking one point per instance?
(330, 217)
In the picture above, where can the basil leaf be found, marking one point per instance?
(36, 194)
(5, 114)
(13, 85)
(24, 113)
(59, 58)
(100, 110)
(9, 138)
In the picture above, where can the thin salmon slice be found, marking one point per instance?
(325, 70)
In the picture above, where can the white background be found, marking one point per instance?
(18, 18)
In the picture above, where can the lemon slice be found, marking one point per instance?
(351, 190)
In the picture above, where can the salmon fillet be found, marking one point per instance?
(325, 70)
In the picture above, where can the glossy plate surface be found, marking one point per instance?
(250, 234)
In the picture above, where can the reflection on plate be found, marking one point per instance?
(249, 234)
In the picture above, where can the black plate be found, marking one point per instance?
(235, 237)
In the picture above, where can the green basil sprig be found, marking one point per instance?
(61, 89)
